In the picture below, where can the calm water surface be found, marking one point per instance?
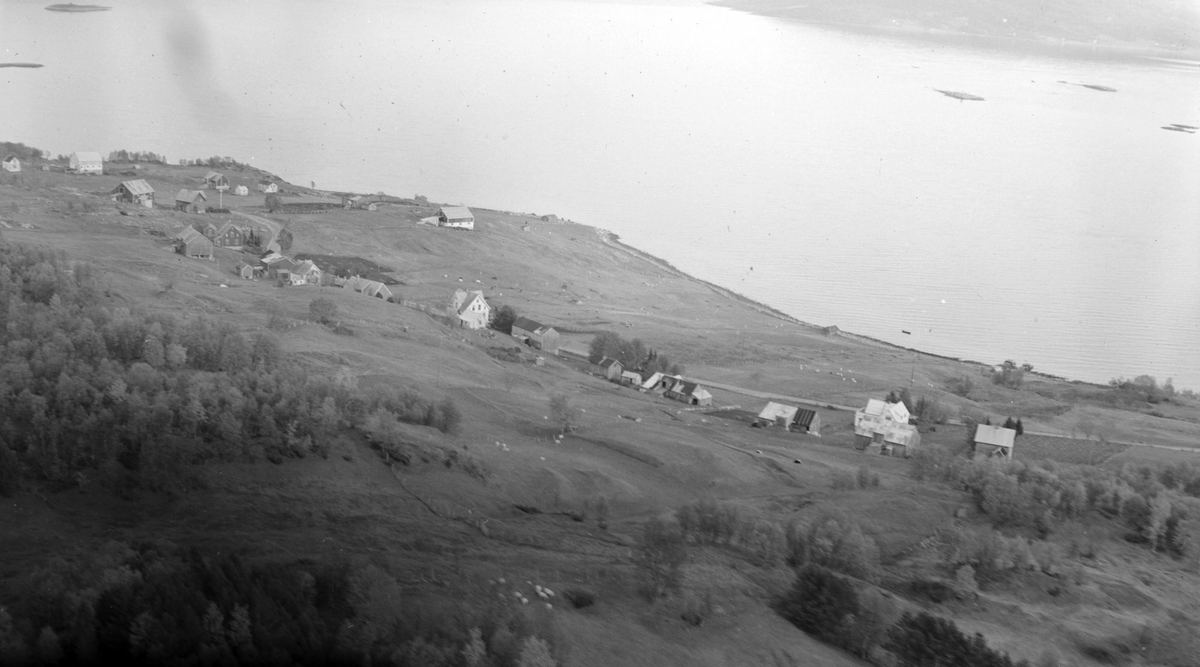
(813, 170)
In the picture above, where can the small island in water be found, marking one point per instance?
(21, 65)
(72, 7)
(1093, 86)
(1176, 127)
(960, 95)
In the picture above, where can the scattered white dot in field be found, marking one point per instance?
(549, 606)
(543, 458)
(500, 580)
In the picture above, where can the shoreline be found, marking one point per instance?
(613, 240)
(1042, 44)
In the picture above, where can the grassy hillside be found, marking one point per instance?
(416, 535)
(1158, 24)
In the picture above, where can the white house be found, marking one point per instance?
(241, 191)
(267, 187)
(885, 425)
(472, 309)
(458, 217)
(306, 273)
(11, 163)
(87, 162)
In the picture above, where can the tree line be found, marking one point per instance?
(633, 354)
(133, 399)
(151, 602)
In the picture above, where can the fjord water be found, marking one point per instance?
(814, 170)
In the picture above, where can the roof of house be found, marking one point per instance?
(87, 156)
(894, 411)
(265, 181)
(649, 382)
(608, 362)
(804, 417)
(632, 375)
(774, 411)
(691, 389)
(188, 233)
(138, 187)
(995, 435)
(532, 325)
(190, 195)
(306, 266)
(212, 174)
(456, 212)
(468, 298)
(9, 158)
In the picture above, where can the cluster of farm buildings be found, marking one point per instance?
(880, 427)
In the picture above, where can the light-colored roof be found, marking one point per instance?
(306, 266)
(893, 411)
(995, 435)
(138, 187)
(190, 195)
(87, 156)
(469, 298)
(652, 380)
(632, 375)
(775, 411)
(456, 212)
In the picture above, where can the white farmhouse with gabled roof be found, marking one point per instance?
(885, 425)
(472, 310)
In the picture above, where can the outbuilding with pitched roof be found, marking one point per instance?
(192, 243)
(457, 217)
(536, 335)
(86, 162)
(135, 192)
(994, 441)
(189, 201)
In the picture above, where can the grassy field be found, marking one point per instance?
(637, 454)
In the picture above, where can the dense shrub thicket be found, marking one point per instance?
(1159, 504)
(924, 640)
(830, 608)
(154, 603)
(832, 539)
(89, 392)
